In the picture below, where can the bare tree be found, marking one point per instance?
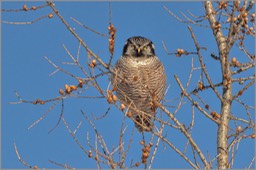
(232, 24)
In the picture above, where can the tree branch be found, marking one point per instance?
(188, 136)
(227, 90)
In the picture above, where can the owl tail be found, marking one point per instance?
(143, 123)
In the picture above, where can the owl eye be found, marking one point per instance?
(133, 46)
(145, 48)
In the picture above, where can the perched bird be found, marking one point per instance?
(139, 80)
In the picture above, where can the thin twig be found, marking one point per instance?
(77, 36)
(187, 135)
(25, 23)
(203, 65)
(177, 151)
(194, 102)
(88, 28)
(19, 157)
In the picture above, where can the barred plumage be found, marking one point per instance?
(140, 81)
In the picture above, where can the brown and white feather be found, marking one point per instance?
(139, 81)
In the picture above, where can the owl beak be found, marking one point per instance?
(139, 50)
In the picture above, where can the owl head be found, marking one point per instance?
(138, 46)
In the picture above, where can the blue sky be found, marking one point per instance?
(25, 70)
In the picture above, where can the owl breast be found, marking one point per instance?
(138, 81)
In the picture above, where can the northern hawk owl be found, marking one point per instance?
(139, 80)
